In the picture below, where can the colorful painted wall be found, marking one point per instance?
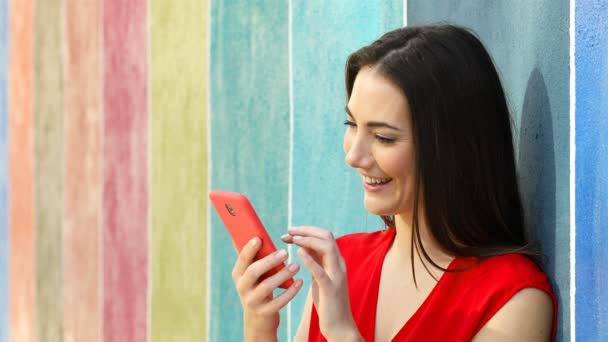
(117, 118)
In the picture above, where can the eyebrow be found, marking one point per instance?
(372, 123)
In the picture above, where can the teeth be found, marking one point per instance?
(370, 180)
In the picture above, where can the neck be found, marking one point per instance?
(402, 245)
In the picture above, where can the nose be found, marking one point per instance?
(358, 153)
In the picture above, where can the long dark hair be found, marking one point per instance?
(465, 164)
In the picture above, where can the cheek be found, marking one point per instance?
(398, 163)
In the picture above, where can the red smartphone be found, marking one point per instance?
(243, 224)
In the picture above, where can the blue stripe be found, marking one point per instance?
(591, 170)
(4, 227)
(249, 98)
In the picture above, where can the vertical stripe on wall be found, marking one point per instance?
(82, 212)
(21, 212)
(591, 170)
(48, 167)
(250, 136)
(178, 79)
(125, 190)
(319, 99)
(4, 246)
(536, 84)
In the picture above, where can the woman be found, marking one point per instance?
(428, 129)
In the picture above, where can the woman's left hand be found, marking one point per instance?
(320, 254)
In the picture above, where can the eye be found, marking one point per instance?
(385, 140)
(350, 123)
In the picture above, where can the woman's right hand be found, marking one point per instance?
(260, 308)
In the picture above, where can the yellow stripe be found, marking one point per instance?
(178, 169)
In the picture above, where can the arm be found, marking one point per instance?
(528, 316)
(320, 254)
(302, 333)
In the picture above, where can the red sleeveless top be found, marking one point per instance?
(459, 305)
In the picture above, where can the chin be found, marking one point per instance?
(379, 209)
(383, 208)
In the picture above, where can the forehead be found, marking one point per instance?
(376, 97)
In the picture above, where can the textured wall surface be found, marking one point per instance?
(117, 118)
(178, 123)
(591, 170)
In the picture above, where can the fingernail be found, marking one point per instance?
(286, 236)
(292, 267)
(293, 229)
(280, 254)
(255, 241)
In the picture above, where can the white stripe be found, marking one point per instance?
(404, 13)
(572, 30)
(290, 186)
(209, 172)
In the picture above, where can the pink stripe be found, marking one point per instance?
(83, 120)
(125, 191)
(22, 277)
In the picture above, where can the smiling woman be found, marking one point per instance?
(428, 129)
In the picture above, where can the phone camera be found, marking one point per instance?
(230, 210)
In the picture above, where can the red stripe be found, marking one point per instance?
(125, 190)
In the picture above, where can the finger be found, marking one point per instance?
(327, 250)
(318, 246)
(283, 299)
(317, 272)
(253, 273)
(287, 238)
(246, 257)
(268, 285)
(312, 232)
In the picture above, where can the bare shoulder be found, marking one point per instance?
(527, 316)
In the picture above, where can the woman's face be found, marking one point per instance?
(379, 143)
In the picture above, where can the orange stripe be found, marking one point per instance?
(21, 172)
(82, 262)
